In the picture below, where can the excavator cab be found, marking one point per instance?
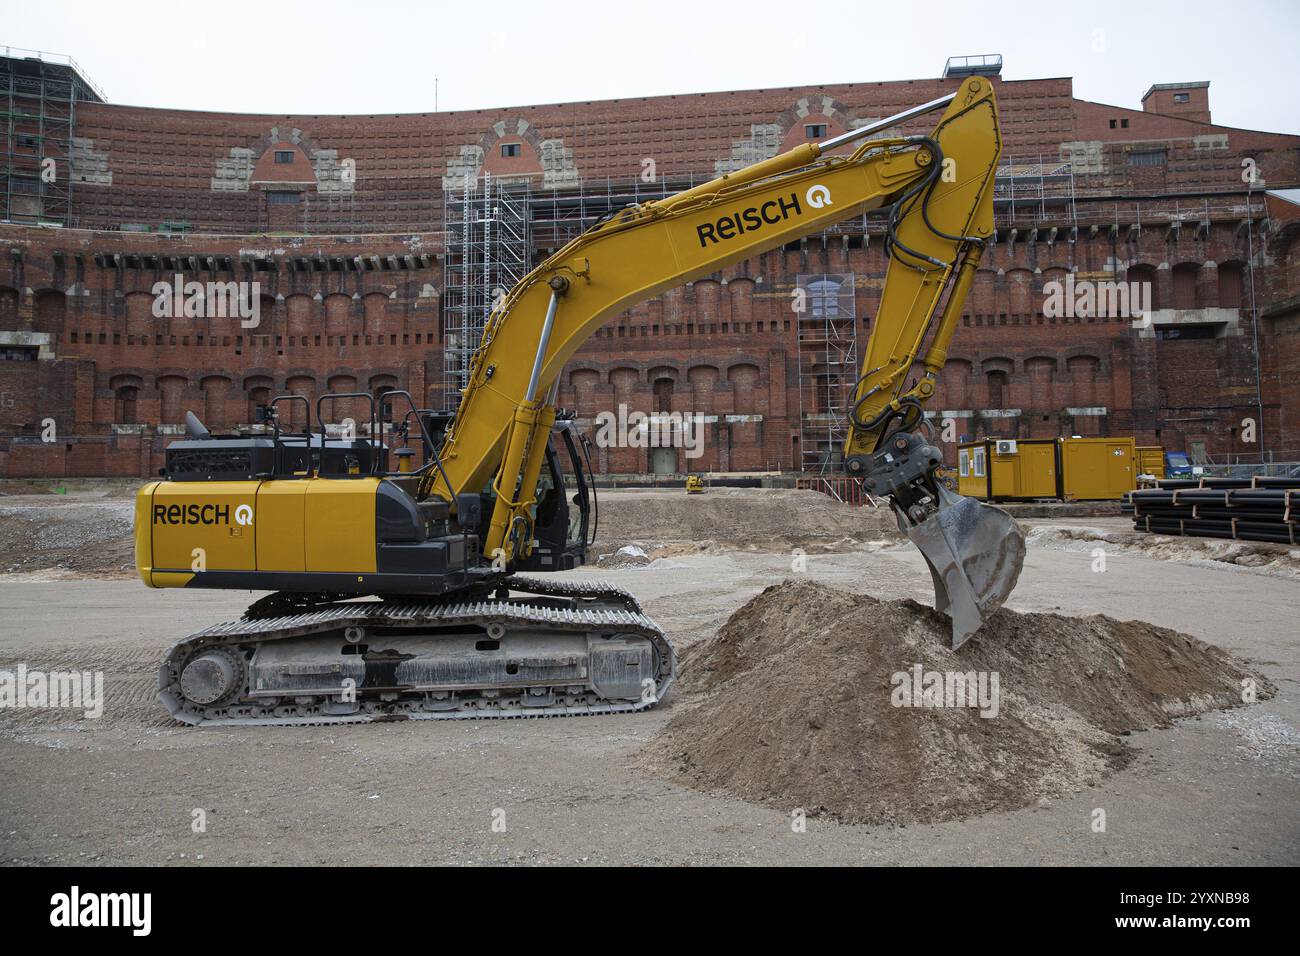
(563, 518)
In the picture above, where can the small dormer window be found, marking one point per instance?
(511, 150)
(283, 157)
(815, 130)
(1182, 97)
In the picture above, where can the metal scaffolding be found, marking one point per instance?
(828, 366)
(488, 252)
(1028, 191)
(39, 95)
(559, 215)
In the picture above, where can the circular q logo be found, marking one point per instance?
(818, 196)
(244, 515)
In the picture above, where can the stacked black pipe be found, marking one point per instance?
(1247, 509)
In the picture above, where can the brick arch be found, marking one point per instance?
(338, 314)
(513, 129)
(125, 389)
(740, 291)
(955, 381)
(335, 410)
(269, 316)
(1020, 292)
(140, 320)
(49, 311)
(171, 392)
(583, 383)
(375, 318)
(703, 374)
(663, 382)
(216, 389)
(1149, 273)
(266, 169)
(744, 378)
(249, 162)
(541, 158)
(298, 382)
(385, 379)
(1231, 284)
(583, 377)
(624, 375)
(301, 313)
(1084, 369)
(1040, 369)
(126, 377)
(1183, 284)
(814, 108)
(259, 389)
(1082, 351)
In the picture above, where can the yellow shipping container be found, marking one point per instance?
(995, 469)
(1097, 468)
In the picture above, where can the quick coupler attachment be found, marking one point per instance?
(975, 551)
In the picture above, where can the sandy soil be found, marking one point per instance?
(124, 788)
(816, 697)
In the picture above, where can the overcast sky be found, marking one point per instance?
(276, 56)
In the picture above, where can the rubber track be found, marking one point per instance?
(414, 613)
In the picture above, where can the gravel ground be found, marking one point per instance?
(124, 788)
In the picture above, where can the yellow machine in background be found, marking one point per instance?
(694, 484)
(451, 628)
(1151, 461)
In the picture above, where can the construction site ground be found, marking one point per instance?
(1218, 788)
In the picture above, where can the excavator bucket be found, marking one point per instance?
(975, 552)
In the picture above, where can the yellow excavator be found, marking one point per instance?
(411, 592)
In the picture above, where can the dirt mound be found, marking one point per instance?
(52, 532)
(804, 699)
(738, 518)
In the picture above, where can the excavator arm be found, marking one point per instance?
(939, 187)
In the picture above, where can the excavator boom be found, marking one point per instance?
(940, 190)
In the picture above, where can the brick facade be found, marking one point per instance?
(350, 272)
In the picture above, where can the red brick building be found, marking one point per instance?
(348, 225)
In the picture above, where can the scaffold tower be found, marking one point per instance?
(39, 93)
(826, 306)
(488, 252)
